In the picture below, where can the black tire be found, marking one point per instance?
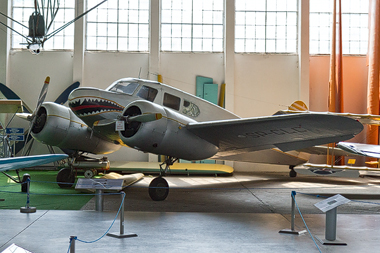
(24, 185)
(158, 189)
(65, 178)
(292, 173)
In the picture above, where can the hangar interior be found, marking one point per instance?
(257, 83)
(269, 53)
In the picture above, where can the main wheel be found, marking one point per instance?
(158, 189)
(65, 178)
(292, 173)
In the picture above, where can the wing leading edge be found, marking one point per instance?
(14, 163)
(286, 132)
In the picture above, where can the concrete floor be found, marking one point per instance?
(242, 213)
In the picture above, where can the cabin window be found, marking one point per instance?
(147, 93)
(171, 101)
(190, 109)
(125, 87)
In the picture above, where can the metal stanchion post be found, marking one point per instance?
(27, 208)
(99, 200)
(122, 235)
(72, 244)
(292, 219)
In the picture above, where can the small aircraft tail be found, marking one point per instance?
(298, 106)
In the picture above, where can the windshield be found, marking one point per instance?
(125, 87)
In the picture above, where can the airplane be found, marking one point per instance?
(153, 117)
(20, 162)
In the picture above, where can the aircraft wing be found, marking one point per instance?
(360, 149)
(369, 119)
(14, 163)
(286, 132)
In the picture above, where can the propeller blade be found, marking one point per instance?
(24, 115)
(145, 117)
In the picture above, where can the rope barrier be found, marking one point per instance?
(304, 222)
(117, 214)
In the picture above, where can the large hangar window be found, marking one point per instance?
(266, 26)
(354, 26)
(118, 25)
(21, 11)
(192, 25)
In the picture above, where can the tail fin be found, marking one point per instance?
(298, 106)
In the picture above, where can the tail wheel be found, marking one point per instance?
(158, 189)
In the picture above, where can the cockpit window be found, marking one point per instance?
(147, 93)
(125, 87)
(171, 101)
(190, 109)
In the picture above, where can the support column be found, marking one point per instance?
(5, 7)
(303, 50)
(229, 53)
(154, 44)
(229, 58)
(79, 42)
(154, 48)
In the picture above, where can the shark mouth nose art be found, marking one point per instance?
(86, 106)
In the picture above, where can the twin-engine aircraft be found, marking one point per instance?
(156, 118)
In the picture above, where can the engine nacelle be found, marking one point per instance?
(165, 136)
(57, 125)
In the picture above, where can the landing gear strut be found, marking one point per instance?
(292, 172)
(159, 187)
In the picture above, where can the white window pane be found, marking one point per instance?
(112, 30)
(143, 44)
(217, 45)
(207, 31)
(197, 45)
(176, 44)
(166, 31)
(251, 18)
(123, 30)
(250, 32)
(271, 32)
(176, 30)
(123, 44)
(250, 46)
(197, 31)
(186, 44)
(270, 46)
(239, 45)
(133, 44)
(133, 30)
(166, 16)
(186, 31)
(240, 18)
(271, 18)
(112, 43)
(102, 29)
(260, 46)
(207, 45)
(143, 31)
(166, 44)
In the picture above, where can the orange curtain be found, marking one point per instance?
(335, 100)
(373, 69)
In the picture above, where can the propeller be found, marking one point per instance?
(142, 118)
(38, 117)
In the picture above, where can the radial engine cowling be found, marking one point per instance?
(165, 136)
(57, 125)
